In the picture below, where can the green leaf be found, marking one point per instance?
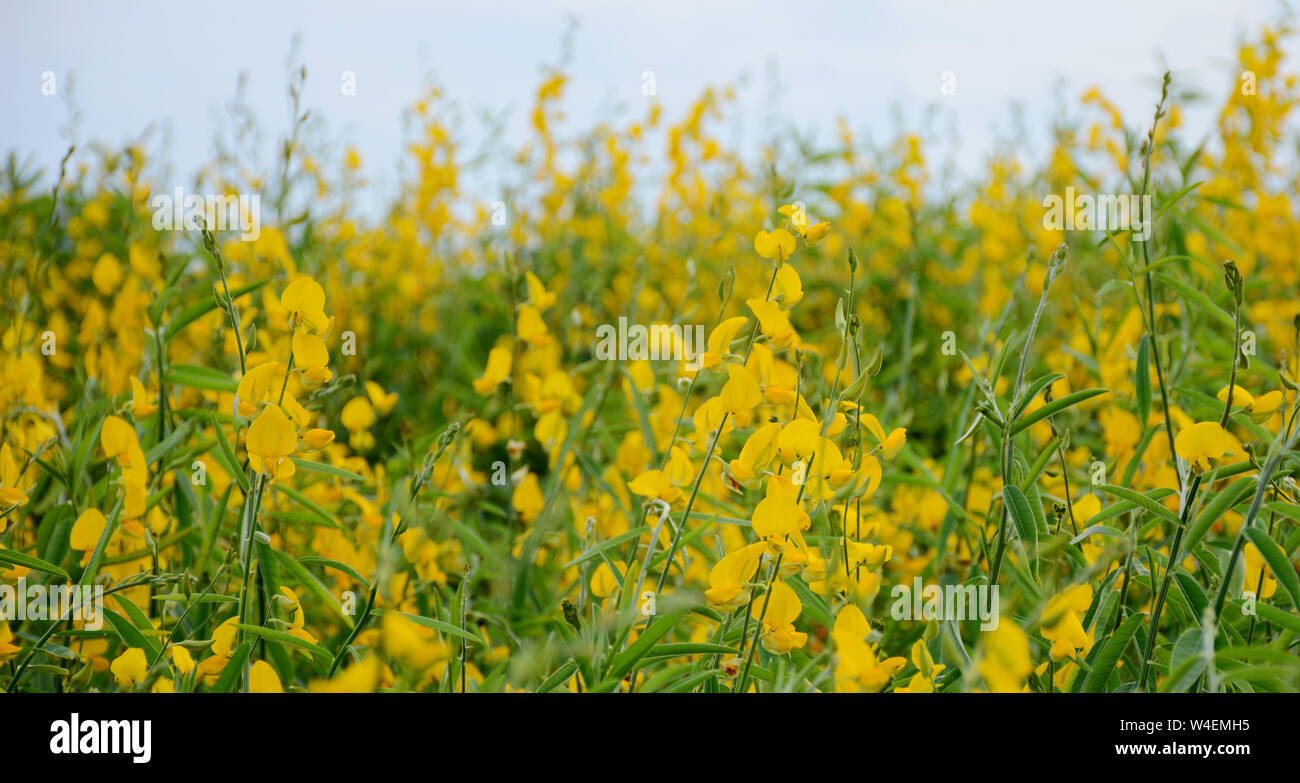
(1272, 614)
(1196, 297)
(308, 580)
(437, 625)
(336, 565)
(1277, 561)
(624, 661)
(320, 467)
(1185, 662)
(1054, 407)
(289, 639)
(1143, 380)
(1138, 499)
(1193, 591)
(130, 635)
(1023, 517)
(200, 378)
(678, 650)
(1032, 391)
(1110, 653)
(613, 543)
(35, 563)
(1098, 530)
(1234, 493)
(210, 598)
(557, 679)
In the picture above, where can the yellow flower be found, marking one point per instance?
(798, 440)
(107, 274)
(496, 372)
(361, 677)
(315, 439)
(181, 659)
(1004, 661)
(141, 402)
(1204, 443)
(7, 647)
(290, 603)
(263, 679)
(271, 440)
(757, 453)
(87, 530)
(1062, 623)
(1258, 575)
(729, 580)
(1240, 397)
(665, 485)
(130, 668)
(383, 402)
(774, 322)
(538, 296)
(799, 221)
(788, 287)
(776, 518)
(531, 328)
(1265, 405)
(358, 417)
(1259, 409)
(223, 638)
(740, 394)
(927, 670)
(11, 496)
(719, 342)
(777, 245)
(310, 357)
(858, 669)
(117, 438)
(527, 498)
(782, 608)
(890, 444)
(305, 300)
(257, 386)
(412, 644)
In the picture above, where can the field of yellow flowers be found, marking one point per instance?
(794, 424)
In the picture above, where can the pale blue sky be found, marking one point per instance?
(176, 64)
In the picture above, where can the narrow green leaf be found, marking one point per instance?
(289, 639)
(320, 467)
(1110, 654)
(437, 625)
(1018, 506)
(1138, 499)
(1054, 407)
(557, 679)
(1143, 380)
(35, 563)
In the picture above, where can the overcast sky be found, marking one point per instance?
(176, 63)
